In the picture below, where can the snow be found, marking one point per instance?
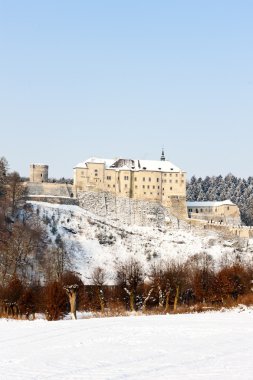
(189, 346)
(48, 196)
(81, 229)
(152, 165)
(210, 203)
(148, 165)
(107, 161)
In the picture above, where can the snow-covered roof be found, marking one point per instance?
(152, 165)
(95, 160)
(134, 165)
(210, 203)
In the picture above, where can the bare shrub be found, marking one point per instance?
(55, 301)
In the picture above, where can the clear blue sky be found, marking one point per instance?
(124, 78)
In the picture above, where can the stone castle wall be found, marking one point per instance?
(126, 210)
(225, 229)
(53, 189)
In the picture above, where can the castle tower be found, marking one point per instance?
(38, 173)
(162, 156)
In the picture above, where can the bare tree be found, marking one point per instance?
(16, 191)
(56, 260)
(3, 174)
(146, 299)
(98, 278)
(160, 282)
(19, 252)
(129, 276)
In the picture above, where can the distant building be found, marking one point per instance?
(149, 180)
(223, 212)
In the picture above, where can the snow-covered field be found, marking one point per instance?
(197, 346)
(97, 241)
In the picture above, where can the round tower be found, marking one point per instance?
(38, 173)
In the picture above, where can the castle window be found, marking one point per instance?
(182, 181)
(176, 181)
(170, 188)
(148, 187)
(149, 179)
(158, 193)
(126, 178)
(125, 185)
(143, 179)
(96, 174)
(157, 179)
(95, 170)
(151, 193)
(144, 192)
(170, 175)
(113, 185)
(227, 208)
(136, 187)
(82, 173)
(108, 185)
(135, 178)
(163, 188)
(170, 180)
(165, 174)
(108, 177)
(158, 187)
(153, 187)
(176, 174)
(143, 186)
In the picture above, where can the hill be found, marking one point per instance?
(97, 241)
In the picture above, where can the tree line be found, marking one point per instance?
(167, 287)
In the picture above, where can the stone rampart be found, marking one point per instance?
(225, 229)
(53, 189)
(126, 210)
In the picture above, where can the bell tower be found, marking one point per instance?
(163, 156)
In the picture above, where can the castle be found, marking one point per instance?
(146, 180)
(104, 182)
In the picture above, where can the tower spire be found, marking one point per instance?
(162, 156)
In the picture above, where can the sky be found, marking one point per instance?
(125, 78)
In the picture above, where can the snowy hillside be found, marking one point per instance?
(95, 241)
(188, 346)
